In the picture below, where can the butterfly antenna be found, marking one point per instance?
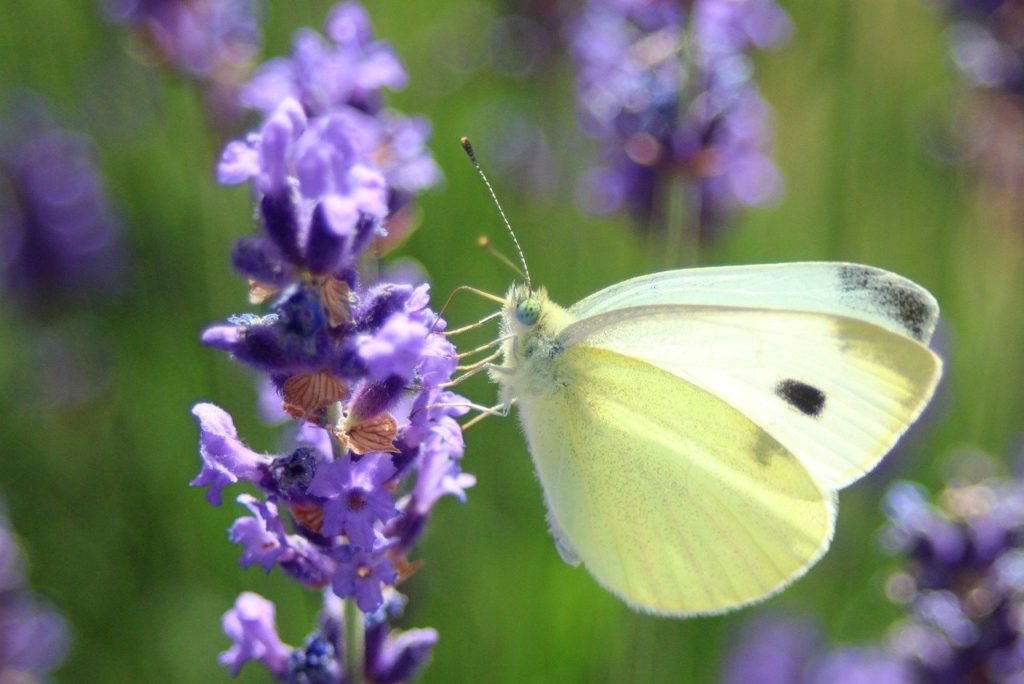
(468, 147)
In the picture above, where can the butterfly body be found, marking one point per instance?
(530, 348)
(691, 428)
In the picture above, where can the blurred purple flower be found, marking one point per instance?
(985, 44)
(860, 666)
(33, 637)
(315, 663)
(60, 240)
(772, 650)
(775, 649)
(960, 583)
(396, 657)
(203, 38)
(961, 586)
(668, 88)
(348, 69)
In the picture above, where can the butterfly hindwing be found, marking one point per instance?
(674, 500)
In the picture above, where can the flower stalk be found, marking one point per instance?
(354, 364)
(355, 643)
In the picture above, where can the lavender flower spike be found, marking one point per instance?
(667, 89)
(960, 584)
(344, 75)
(61, 240)
(359, 366)
(207, 39)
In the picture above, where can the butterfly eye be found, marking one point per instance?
(528, 311)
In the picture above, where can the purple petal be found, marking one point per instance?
(348, 25)
(225, 459)
(401, 656)
(238, 163)
(223, 337)
(395, 349)
(250, 624)
(262, 536)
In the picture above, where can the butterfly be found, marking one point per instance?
(691, 428)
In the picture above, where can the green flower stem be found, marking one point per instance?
(355, 642)
(334, 414)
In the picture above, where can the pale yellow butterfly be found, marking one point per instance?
(691, 428)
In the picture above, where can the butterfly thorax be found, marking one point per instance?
(530, 325)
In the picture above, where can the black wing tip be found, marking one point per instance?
(905, 303)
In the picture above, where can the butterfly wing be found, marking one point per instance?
(839, 289)
(837, 391)
(674, 500)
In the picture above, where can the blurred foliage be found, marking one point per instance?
(864, 96)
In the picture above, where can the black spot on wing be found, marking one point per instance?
(896, 299)
(808, 400)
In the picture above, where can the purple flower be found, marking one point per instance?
(396, 349)
(983, 44)
(772, 650)
(356, 497)
(861, 666)
(663, 119)
(360, 573)
(251, 625)
(786, 650)
(204, 38)
(225, 459)
(318, 159)
(342, 78)
(61, 240)
(315, 662)
(351, 69)
(33, 637)
(961, 585)
(395, 657)
(359, 365)
(262, 536)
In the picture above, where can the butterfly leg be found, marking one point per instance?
(465, 288)
(474, 368)
(504, 370)
(496, 410)
(473, 326)
(485, 347)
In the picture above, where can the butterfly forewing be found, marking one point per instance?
(835, 391)
(839, 289)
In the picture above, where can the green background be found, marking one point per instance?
(865, 101)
